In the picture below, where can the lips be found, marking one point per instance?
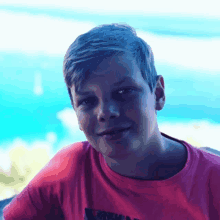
(118, 135)
(116, 132)
(113, 131)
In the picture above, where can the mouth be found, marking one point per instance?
(116, 135)
(115, 132)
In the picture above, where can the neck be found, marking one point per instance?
(142, 164)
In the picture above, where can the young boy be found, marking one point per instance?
(127, 169)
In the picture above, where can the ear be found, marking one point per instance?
(159, 93)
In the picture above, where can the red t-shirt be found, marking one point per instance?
(77, 184)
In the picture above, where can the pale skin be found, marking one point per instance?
(145, 153)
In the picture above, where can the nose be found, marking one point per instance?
(107, 111)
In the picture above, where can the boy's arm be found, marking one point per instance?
(28, 204)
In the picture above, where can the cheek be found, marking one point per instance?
(132, 105)
(85, 123)
(81, 120)
(140, 111)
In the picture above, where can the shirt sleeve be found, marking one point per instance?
(32, 205)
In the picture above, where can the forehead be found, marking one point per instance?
(116, 84)
(114, 71)
(119, 64)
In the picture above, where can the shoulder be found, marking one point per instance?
(210, 150)
(63, 165)
(68, 156)
(69, 153)
(209, 155)
(207, 163)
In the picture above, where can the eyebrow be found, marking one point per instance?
(115, 84)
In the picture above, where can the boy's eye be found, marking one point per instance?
(132, 90)
(90, 100)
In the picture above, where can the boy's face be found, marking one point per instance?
(128, 105)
